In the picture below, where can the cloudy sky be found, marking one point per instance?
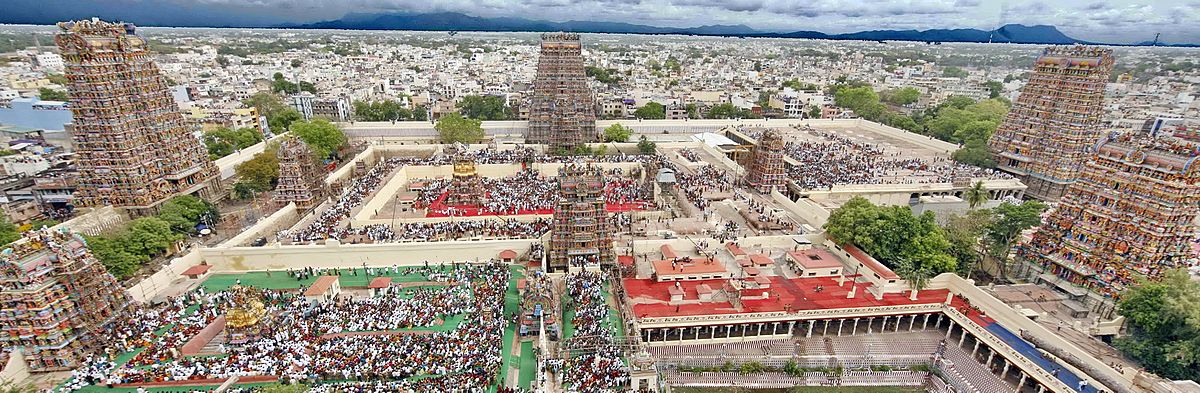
(1094, 20)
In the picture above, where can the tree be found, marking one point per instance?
(797, 85)
(484, 108)
(1164, 330)
(693, 112)
(267, 104)
(296, 63)
(916, 276)
(814, 112)
(1011, 220)
(58, 79)
(383, 110)
(46, 94)
(903, 96)
(994, 88)
(8, 231)
(862, 100)
(184, 212)
(149, 236)
(645, 146)
(119, 260)
(453, 128)
(617, 133)
(975, 153)
(892, 234)
(320, 135)
(603, 75)
(224, 141)
(954, 72)
(259, 173)
(725, 111)
(964, 233)
(976, 195)
(223, 61)
(282, 121)
(652, 110)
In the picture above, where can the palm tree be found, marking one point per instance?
(977, 195)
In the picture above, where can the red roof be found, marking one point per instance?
(380, 282)
(871, 263)
(675, 291)
(815, 258)
(751, 271)
(321, 286)
(626, 260)
(704, 289)
(197, 270)
(734, 249)
(761, 259)
(744, 262)
(508, 254)
(696, 266)
(762, 280)
(667, 252)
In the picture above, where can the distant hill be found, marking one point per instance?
(452, 21)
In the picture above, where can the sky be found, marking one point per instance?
(1115, 21)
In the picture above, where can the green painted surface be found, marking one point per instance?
(528, 365)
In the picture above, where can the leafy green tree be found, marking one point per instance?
(693, 112)
(58, 79)
(617, 133)
(259, 173)
(814, 112)
(8, 230)
(224, 141)
(862, 100)
(994, 88)
(645, 146)
(964, 233)
(1164, 325)
(725, 111)
(282, 121)
(797, 85)
(917, 276)
(975, 152)
(383, 110)
(322, 136)
(267, 104)
(484, 108)
(1011, 219)
(454, 128)
(954, 72)
(51, 94)
(296, 63)
(122, 262)
(902, 122)
(892, 234)
(150, 236)
(902, 96)
(420, 113)
(223, 61)
(652, 110)
(185, 211)
(607, 76)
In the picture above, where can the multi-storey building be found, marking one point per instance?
(562, 113)
(133, 147)
(581, 236)
(300, 178)
(332, 108)
(57, 299)
(1131, 214)
(767, 170)
(1045, 137)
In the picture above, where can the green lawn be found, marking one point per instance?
(528, 365)
(281, 280)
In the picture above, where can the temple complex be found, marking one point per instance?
(562, 113)
(300, 177)
(466, 187)
(1131, 214)
(133, 147)
(767, 170)
(57, 298)
(581, 235)
(1045, 137)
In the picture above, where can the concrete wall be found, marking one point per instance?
(811, 213)
(97, 221)
(332, 254)
(151, 287)
(228, 164)
(16, 371)
(282, 219)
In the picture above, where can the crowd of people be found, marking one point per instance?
(601, 371)
(706, 179)
(352, 196)
(299, 344)
(526, 191)
(838, 160)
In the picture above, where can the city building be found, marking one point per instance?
(1045, 137)
(1131, 214)
(332, 108)
(58, 299)
(767, 170)
(300, 179)
(232, 118)
(580, 237)
(134, 148)
(562, 113)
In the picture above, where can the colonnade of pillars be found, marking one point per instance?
(978, 350)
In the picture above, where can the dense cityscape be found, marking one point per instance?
(298, 210)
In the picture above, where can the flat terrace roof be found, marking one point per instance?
(694, 266)
(651, 299)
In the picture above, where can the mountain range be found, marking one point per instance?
(451, 21)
